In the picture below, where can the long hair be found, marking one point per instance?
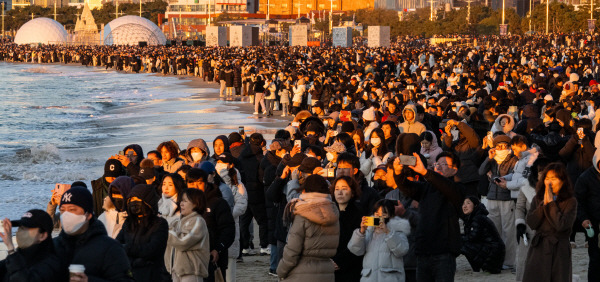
(559, 169)
(177, 182)
(382, 149)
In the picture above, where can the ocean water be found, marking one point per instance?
(59, 124)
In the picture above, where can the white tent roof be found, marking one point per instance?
(41, 30)
(130, 30)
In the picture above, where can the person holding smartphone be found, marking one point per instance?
(552, 214)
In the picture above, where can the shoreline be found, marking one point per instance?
(241, 103)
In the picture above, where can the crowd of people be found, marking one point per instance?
(389, 151)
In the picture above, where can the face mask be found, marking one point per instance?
(135, 208)
(197, 156)
(329, 156)
(501, 155)
(71, 223)
(119, 204)
(23, 239)
(221, 168)
(375, 142)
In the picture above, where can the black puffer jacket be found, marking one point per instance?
(145, 240)
(587, 191)
(350, 265)
(551, 142)
(36, 263)
(250, 159)
(220, 223)
(103, 257)
(481, 243)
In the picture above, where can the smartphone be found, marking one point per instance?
(490, 136)
(497, 179)
(295, 124)
(241, 130)
(373, 221)
(60, 189)
(327, 172)
(410, 87)
(408, 160)
(345, 99)
(121, 153)
(298, 143)
(339, 128)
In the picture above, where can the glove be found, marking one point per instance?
(521, 229)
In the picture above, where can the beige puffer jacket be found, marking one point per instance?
(188, 247)
(312, 240)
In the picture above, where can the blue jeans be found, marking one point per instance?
(274, 258)
(438, 268)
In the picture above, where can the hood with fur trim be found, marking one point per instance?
(317, 208)
(509, 127)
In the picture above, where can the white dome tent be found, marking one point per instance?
(41, 30)
(130, 30)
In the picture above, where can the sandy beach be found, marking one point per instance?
(255, 268)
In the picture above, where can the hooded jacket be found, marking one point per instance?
(481, 242)
(188, 247)
(507, 129)
(411, 126)
(133, 168)
(312, 240)
(433, 151)
(200, 144)
(383, 252)
(103, 257)
(145, 242)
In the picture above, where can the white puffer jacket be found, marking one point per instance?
(383, 252)
(167, 207)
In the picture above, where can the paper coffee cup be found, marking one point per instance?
(76, 269)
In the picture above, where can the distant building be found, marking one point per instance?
(189, 18)
(303, 7)
(7, 4)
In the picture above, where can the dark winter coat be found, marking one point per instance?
(466, 150)
(99, 192)
(481, 242)
(269, 165)
(587, 191)
(103, 257)
(220, 223)
(549, 256)
(350, 265)
(146, 246)
(36, 263)
(133, 168)
(237, 77)
(440, 202)
(578, 157)
(250, 159)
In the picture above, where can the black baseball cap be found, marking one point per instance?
(35, 218)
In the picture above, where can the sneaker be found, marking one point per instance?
(248, 252)
(272, 273)
(284, 115)
(265, 112)
(255, 113)
(265, 251)
(505, 267)
(573, 245)
(240, 259)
